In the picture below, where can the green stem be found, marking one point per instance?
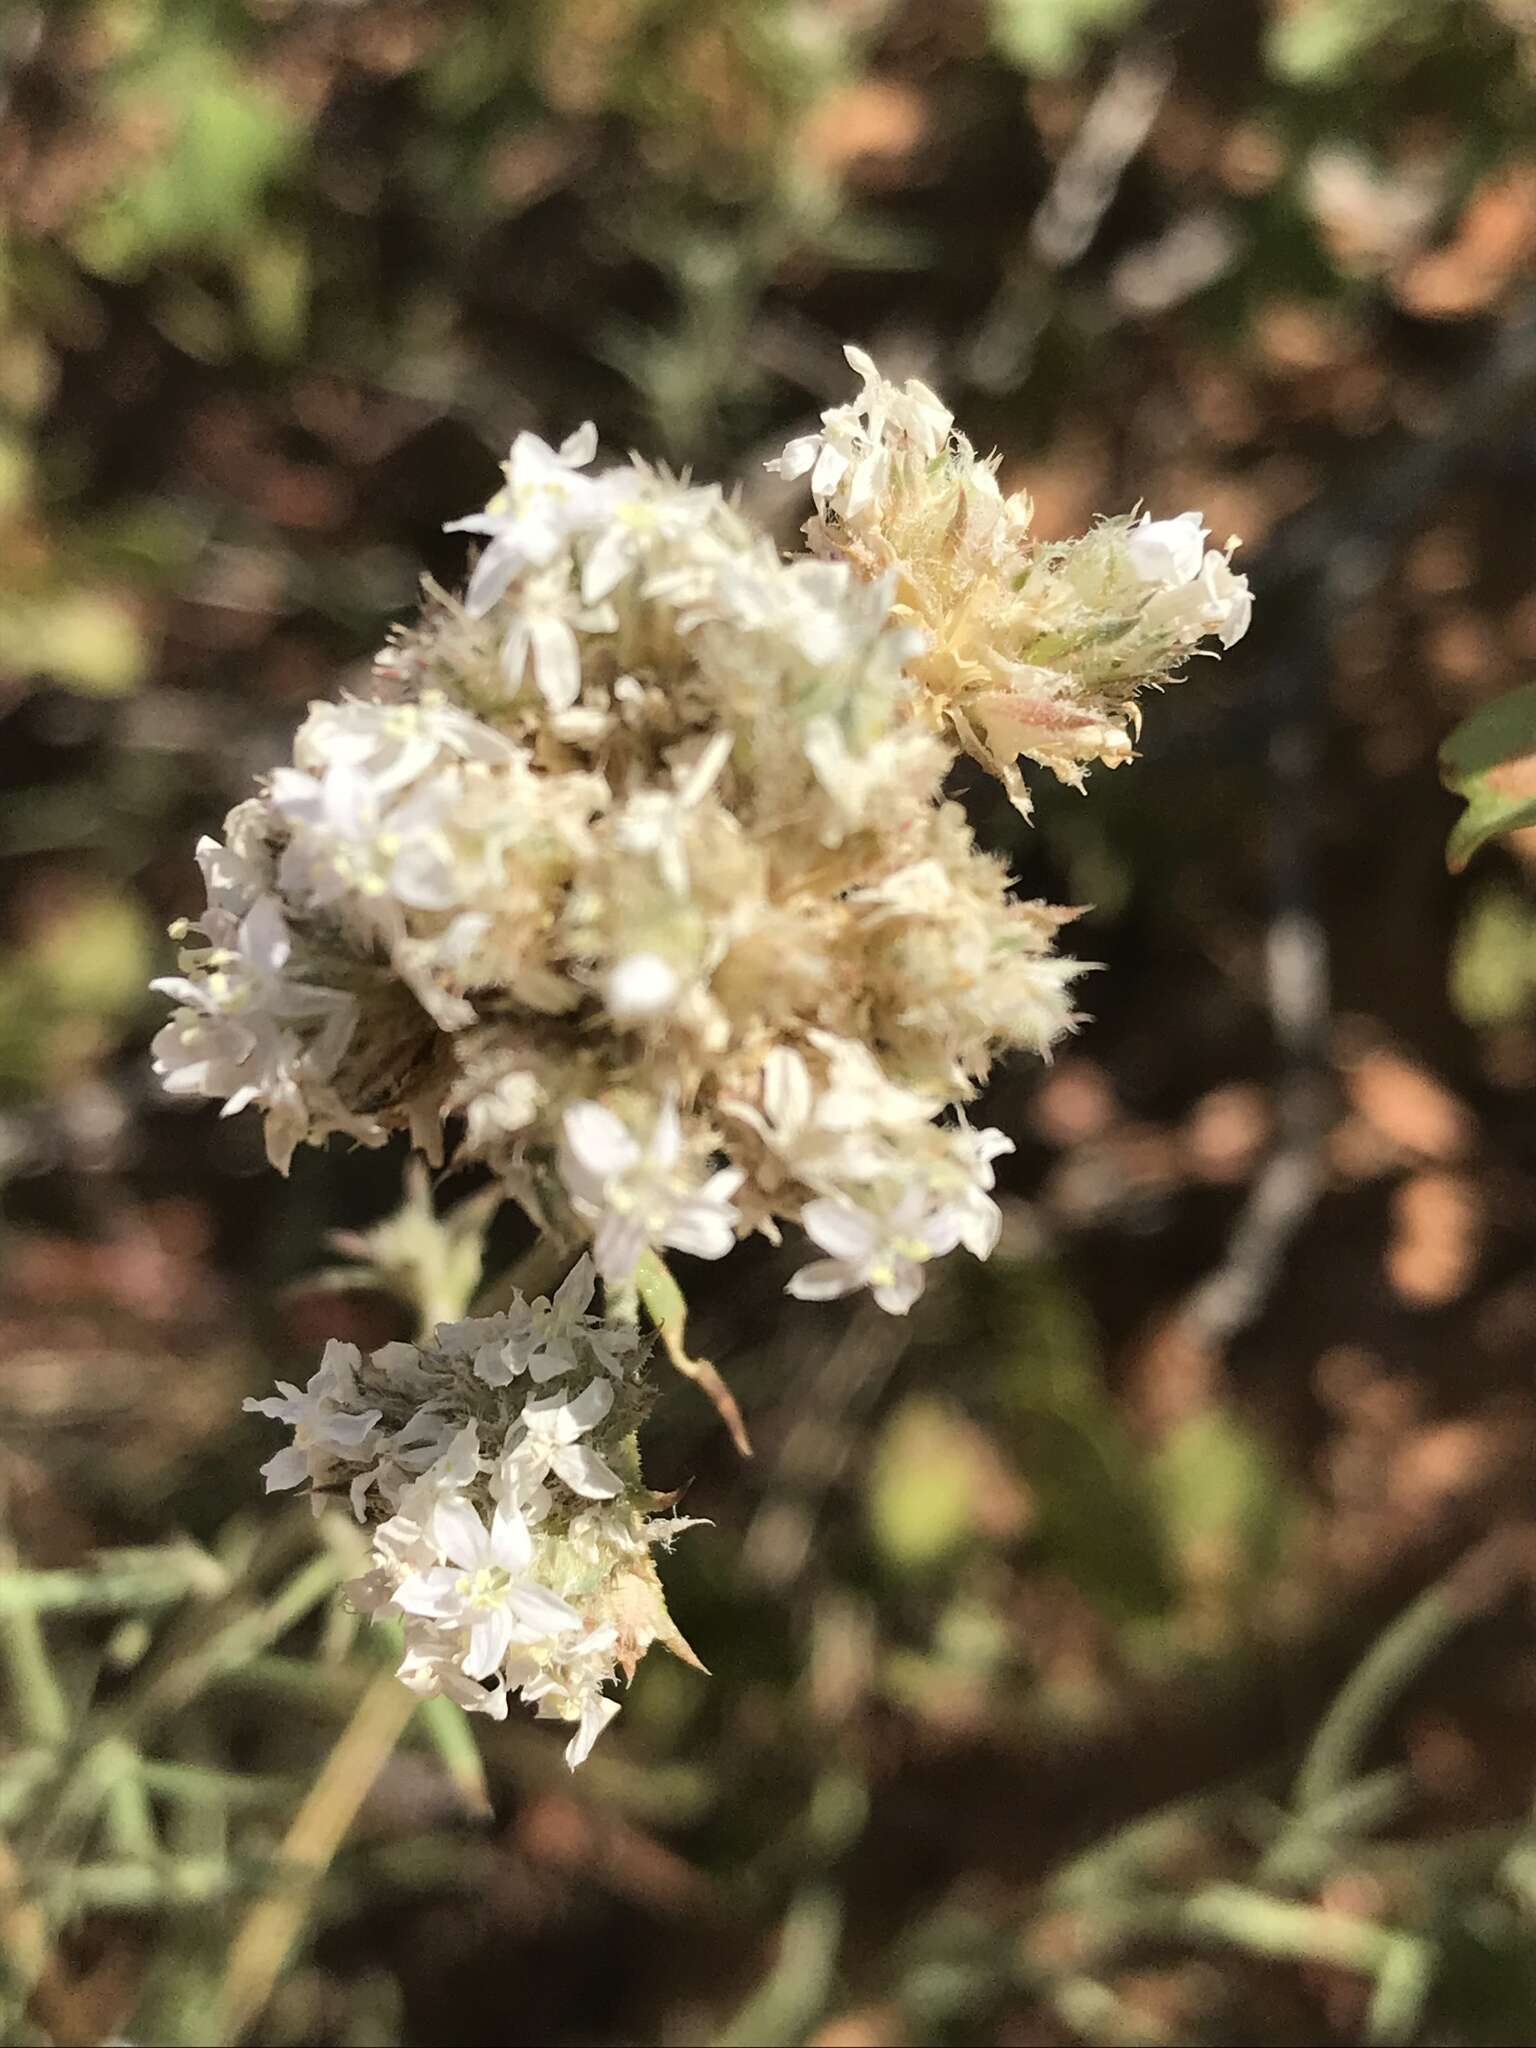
(42, 1709)
(1283, 1929)
(1308, 1843)
(126, 1811)
(792, 1998)
(178, 1683)
(111, 1587)
(200, 1786)
(1397, 1657)
(139, 1887)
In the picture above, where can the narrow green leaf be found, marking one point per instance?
(668, 1310)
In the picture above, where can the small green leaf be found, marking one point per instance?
(94, 960)
(922, 1486)
(1490, 760)
(1051, 37)
(84, 639)
(1224, 1500)
(274, 275)
(1493, 960)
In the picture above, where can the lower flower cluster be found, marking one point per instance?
(512, 1538)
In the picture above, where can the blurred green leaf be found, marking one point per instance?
(1493, 960)
(1320, 42)
(1223, 1498)
(1490, 760)
(229, 136)
(85, 639)
(1095, 1518)
(275, 285)
(1051, 36)
(65, 996)
(921, 1501)
(95, 958)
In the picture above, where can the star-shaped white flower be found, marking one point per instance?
(484, 1589)
(545, 502)
(636, 1194)
(551, 1446)
(885, 1252)
(327, 1423)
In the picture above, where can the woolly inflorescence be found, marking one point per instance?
(633, 878)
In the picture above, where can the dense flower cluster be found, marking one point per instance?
(634, 872)
(511, 1535)
(1024, 650)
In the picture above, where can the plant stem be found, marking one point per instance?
(42, 1707)
(111, 1587)
(1394, 1659)
(273, 1925)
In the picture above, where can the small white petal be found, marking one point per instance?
(584, 1472)
(511, 1546)
(545, 1613)
(640, 985)
(897, 1295)
(287, 1467)
(598, 1140)
(460, 1534)
(839, 1228)
(490, 1637)
(824, 1280)
(617, 1247)
(574, 1294)
(595, 1717)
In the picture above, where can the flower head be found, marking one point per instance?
(484, 1587)
(634, 1194)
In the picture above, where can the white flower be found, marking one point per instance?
(850, 459)
(390, 746)
(570, 1689)
(410, 1451)
(500, 1111)
(860, 781)
(655, 822)
(1167, 551)
(643, 515)
(963, 1187)
(414, 1493)
(544, 503)
(884, 1252)
(551, 1444)
(635, 1195)
(836, 1131)
(430, 1668)
(354, 839)
(638, 986)
(200, 1050)
(1197, 592)
(233, 883)
(328, 1425)
(543, 1339)
(233, 1035)
(543, 635)
(485, 1587)
(1229, 599)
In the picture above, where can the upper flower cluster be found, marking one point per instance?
(634, 871)
(1028, 651)
(511, 1535)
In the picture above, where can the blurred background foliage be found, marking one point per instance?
(1135, 1647)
